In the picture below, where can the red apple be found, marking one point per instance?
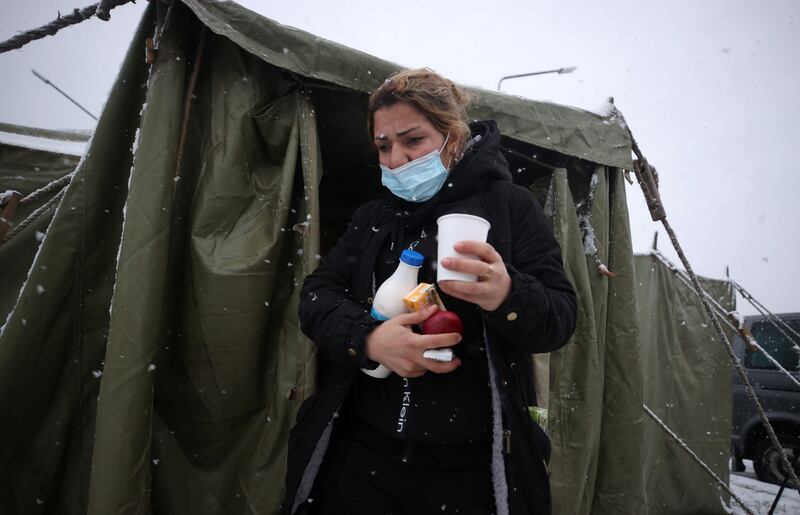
(443, 322)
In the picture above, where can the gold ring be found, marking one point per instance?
(488, 273)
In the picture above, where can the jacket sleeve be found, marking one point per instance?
(539, 313)
(328, 315)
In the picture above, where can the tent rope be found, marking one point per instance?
(696, 458)
(101, 9)
(47, 189)
(57, 184)
(723, 314)
(772, 318)
(648, 180)
(33, 216)
(104, 8)
(187, 109)
(515, 153)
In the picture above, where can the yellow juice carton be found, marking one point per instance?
(422, 296)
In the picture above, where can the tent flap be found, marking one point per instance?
(53, 342)
(595, 380)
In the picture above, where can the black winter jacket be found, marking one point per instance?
(538, 316)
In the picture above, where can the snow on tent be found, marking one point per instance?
(152, 361)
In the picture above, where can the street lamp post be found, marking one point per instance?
(44, 79)
(567, 69)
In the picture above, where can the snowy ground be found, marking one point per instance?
(759, 496)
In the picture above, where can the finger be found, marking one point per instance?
(437, 367)
(434, 341)
(410, 367)
(465, 290)
(416, 317)
(478, 248)
(413, 373)
(466, 265)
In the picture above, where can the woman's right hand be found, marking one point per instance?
(396, 346)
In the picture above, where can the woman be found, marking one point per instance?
(433, 437)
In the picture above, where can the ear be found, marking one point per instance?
(453, 147)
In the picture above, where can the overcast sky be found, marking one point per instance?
(711, 91)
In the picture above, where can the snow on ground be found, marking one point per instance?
(759, 496)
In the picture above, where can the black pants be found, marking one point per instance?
(362, 476)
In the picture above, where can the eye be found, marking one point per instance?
(413, 140)
(382, 149)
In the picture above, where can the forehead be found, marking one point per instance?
(399, 117)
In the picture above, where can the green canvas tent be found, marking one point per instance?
(686, 374)
(30, 159)
(152, 361)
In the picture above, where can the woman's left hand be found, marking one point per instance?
(494, 283)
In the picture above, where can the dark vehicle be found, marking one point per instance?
(777, 393)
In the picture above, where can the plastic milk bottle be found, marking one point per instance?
(388, 301)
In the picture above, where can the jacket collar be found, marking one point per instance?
(481, 164)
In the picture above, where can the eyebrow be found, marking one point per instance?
(401, 133)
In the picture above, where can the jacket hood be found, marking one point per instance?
(482, 163)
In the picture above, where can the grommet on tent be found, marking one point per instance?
(602, 269)
(294, 393)
(9, 201)
(149, 51)
(301, 228)
(627, 175)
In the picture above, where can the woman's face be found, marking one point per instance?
(402, 133)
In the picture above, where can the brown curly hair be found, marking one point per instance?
(438, 98)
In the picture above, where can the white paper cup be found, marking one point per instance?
(452, 229)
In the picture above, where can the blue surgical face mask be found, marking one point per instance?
(418, 180)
